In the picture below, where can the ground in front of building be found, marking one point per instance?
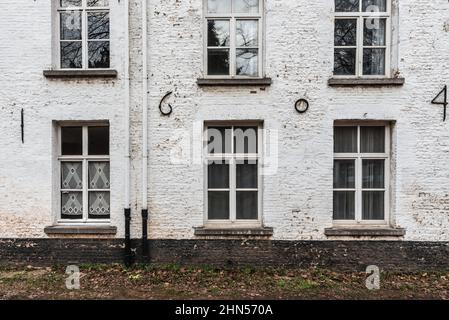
(175, 282)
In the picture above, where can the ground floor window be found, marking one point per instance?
(84, 172)
(361, 173)
(232, 173)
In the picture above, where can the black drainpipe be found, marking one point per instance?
(128, 253)
(145, 234)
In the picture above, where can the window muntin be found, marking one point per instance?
(361, 174)
(84, 173)
(84, 34)
(232, 174)
(234, 37)
(361, 37)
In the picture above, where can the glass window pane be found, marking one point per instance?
(374, 61)
(345, 32)
(247, 205)
(218, 175)
(71, 175)
(247, 62)
(245, 139)
(247, 33)
(97, 3)
(372, 139)
(98, 25)
(373, 205)
(218, 33)
(70, 3)
(246, 6)
(373, 174)
(71, 54)
(347, 6)
(70, 25)
(374, 32)
(99, 54)
(344, 174)
(345, 139)
(71, 205)
(219, 6)
(218, 62)
(218, 205)
(246, 172)
(344, 62)
(99, 175)
(374, 5)
(344, 205)
(219, 140)
(98, 140)
(71, 141)
(99, 205)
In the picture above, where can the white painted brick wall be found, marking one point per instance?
(297, 202)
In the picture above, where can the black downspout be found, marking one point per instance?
(128, 254)
(145, 235)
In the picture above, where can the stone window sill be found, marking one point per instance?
(220, 232)
(70, 74)
(364, 232)
(81, 230)
(351, 82)
(234, 82)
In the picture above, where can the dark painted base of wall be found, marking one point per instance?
(335, 255)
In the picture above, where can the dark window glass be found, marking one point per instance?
(98, 25)
(246, 174)
(344, 174)
(71, 54)
(246, 205)
(218, 62)
(373, 174)
(347, 5)
(99, 54)
(245, 139)
(98, 140)
(219, 140)
(218, 205)
(218, 175)
(71, 141)
(344, 62)
(374, 61)
(372, 139)
(218, 33)
(345, 139)
(373, 205)
(374, 5)
(344, 205)
(345, 32)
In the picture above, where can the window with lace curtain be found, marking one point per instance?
(361, 173)
(84, 173)
(362, 38)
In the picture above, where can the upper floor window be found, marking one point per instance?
(84, 173)
(234, 37)
(361, 173)
(362, 37)
(83, 34)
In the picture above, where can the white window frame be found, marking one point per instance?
(361, 16)
(85, 159)
(231, 158)
(232, 47)
(84, 34)
(359, 157)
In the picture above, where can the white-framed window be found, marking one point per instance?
(83, 34)
(362, 36)
(232, 174)
(233, 41)
(361, 173)
(84, 173)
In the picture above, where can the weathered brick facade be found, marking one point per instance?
(297, 200)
